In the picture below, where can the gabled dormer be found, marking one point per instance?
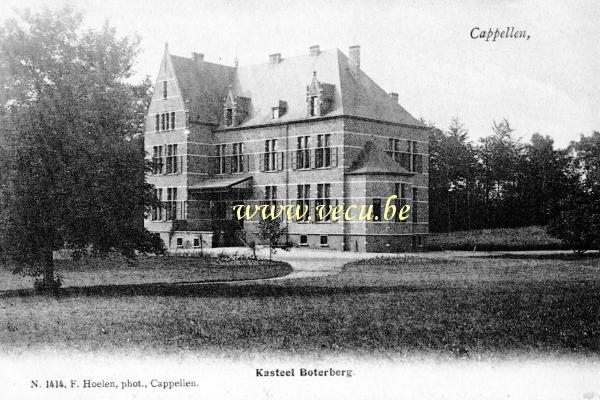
(319, 97)
(235, 109)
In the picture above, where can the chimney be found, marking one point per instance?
(354, 54)
(314, 50)
(197, 57)
(394, 96)
(275, 58)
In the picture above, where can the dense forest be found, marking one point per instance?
(501, 181)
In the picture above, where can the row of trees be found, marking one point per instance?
(499, 181)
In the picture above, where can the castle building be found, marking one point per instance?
(305, 131)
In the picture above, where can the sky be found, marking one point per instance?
(422, 50)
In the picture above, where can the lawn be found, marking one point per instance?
(464, 307)
(113, 270)
(498, 239)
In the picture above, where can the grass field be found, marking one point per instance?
(472, 307)
(115, 270)
(499, 239)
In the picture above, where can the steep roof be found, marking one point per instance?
(206, 84)
(374, 161)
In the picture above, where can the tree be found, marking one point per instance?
(76, 168)
(543, 175)
(272, 231)
(576, 221)
(575, 216)
(452, 178)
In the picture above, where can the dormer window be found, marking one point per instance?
(279, 110)
(165, 89)
(235, 109)
(314, 106)
(319, 97)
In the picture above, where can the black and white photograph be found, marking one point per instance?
(357, 199)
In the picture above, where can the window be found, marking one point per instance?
(271, 195)
(323, 152)
(303, 240)
(164, 89)
(303, 202)
(157, 211)
(221, 150)
(270, 158)
(171, 204)
(302, 153)
(376, 210)
(415, 207)
(157, 122)
(157, 160)
(394, 149)
(237, 159)
(173, 120)
(323, 198)
(196, 242)
(324, 241)
(408, 159)
(162, 122)
(229, 117)
(417, 159)
(314, 106)
(179, 243)
(172, 159)
(402, 191)
(167, 121)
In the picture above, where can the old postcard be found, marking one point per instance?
(299, 199)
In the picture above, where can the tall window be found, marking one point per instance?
(415, 207)
(162, 122)
(167, 124)
(270, 160)
(171, 159)
(157, 160)
(394, 149)
(323, 198)
(237, 159)
(417, 159)
(314, 104)
(171, 204)
(157, 122)
(303, 202)
(323, 152)
(173, 120)
(157, 211)
(164, 89)
(271, 195)
(377, 210)
(221, 151)
(302, 153)
(402, 191)
(229, 117)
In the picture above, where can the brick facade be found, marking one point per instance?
(234, 147)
